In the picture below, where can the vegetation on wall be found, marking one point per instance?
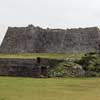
(88, 65)
(91, 63)
(66, 68)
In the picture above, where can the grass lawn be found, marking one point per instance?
(42, 55)
(49, 89)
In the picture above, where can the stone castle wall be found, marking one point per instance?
(37, 40)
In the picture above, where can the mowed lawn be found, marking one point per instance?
(12, 88)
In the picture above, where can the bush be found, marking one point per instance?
(66, 68)
(91, 62)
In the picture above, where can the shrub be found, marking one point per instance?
(91, 62)
(66, 68)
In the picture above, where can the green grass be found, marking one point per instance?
(49, 89)
(43, 55)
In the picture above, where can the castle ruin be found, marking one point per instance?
(33, 39)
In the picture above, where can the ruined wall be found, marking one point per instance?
(37, 40)
(26, 67)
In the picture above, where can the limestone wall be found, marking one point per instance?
(37, 40)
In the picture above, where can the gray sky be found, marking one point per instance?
(49, 13)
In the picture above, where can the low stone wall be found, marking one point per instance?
(26, 67)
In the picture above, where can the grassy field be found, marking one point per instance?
(49, 89)
(43, 55)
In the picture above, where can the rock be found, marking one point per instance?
(75, 71)
(77, 67)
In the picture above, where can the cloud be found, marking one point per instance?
(49, 13)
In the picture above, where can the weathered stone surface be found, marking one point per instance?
(26, 67)
(37, 40)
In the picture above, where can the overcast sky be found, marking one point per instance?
(49, 13)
